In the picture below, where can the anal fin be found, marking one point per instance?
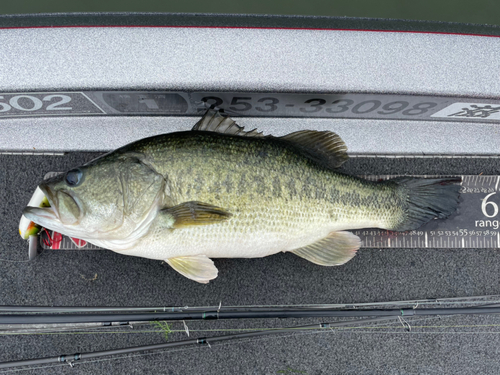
(199, 268)
(336, 249)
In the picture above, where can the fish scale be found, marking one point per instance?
(469, 212)
(187, 197)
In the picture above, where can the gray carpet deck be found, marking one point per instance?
(105, 278)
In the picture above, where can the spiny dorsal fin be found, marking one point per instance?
(324, 147)
(213, 121)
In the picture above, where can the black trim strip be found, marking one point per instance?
(243, 21)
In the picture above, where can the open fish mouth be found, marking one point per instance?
(42, 212)
(43, 216)
(38, 207)
(58, 210)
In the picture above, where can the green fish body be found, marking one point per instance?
(218, 191)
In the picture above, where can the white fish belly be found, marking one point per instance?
(251, 233)
(196, 241)
(230, 243)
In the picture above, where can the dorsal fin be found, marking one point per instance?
(325, 147)
(213, 121)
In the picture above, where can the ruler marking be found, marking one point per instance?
(385, 239)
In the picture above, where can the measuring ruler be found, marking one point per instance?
(475, 224)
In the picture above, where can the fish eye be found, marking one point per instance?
(74, 177)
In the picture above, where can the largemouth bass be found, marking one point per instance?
(221, 192)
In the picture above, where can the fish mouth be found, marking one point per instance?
(51, 217)
(43, 216)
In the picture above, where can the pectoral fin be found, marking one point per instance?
(199, 268)
(195, 213)
(336, 249)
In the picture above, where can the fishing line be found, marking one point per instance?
(429, 332)
(98, 327)
(9, 260)
(381, 315)
(158, 352)
(237, 314)
(14, 261)
(242, 341)
(103, 329)
(415, 303)
(197, 341)
(164, 351)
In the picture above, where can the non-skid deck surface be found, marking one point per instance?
(465, 345)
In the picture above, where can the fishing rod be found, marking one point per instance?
(201, 341)
(32, 328)
(477, 300)
(389, 314)
(23, 321)
(27, 326)
(220, 315)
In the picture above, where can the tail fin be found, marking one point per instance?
(427, 199)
